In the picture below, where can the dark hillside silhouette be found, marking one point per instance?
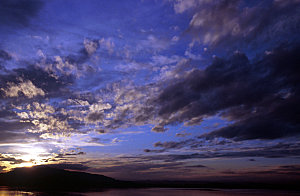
(46, 178)
(43, 177)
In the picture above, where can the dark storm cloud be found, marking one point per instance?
(261, 127)
(232, 23)
(18, 12)
(259, 96)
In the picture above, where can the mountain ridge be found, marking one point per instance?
(45, 177)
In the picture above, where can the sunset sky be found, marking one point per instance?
(152, 89)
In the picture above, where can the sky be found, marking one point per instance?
(152, 89)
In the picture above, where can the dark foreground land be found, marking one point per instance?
(43, 178)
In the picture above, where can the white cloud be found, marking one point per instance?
(190, 55)
(90, 46)
(100, 107)
(164, 60)
(181, 6)
(107, 44)
(175, 38)
(154, 43)
(27, 88)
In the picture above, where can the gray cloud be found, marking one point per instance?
(18, 12)
(15, 132)
(230, 23)
(4, 55)
(70, 166)
(38, 78)
(260, 96)
(275, 151)
(10, 159)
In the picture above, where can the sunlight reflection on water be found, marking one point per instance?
(5, 191)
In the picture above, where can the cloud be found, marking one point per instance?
(230, 23)
(5, 55)
(107, 44)
(257, 96)
(90, 46)
(135, 168)
(173, 145)
(78, 64)
(69, 154)
(62, 67)
(32, 82)
(13, 131)
(69, 166)
(48, 123)
(11, 160)
(182, 5)
(27, 88)
(160, 60)
(280, 150)
(18, 12)
(159, 129)
(153, 43)
(2, 168)
(276, 173)
(182, 134)
(197, 166)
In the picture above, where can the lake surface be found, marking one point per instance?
(4, 191)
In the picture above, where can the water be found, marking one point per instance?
(4, 191)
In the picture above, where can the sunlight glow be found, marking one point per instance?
(33, 155)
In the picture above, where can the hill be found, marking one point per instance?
(47, 178)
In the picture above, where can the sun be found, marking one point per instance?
(28, 155)
(32, 155)
(27, 164)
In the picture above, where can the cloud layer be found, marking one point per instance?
(150, 88)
